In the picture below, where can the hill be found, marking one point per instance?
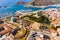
(43, 2)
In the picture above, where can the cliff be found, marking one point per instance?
(40, 2)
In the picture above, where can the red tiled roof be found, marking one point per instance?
(7, 29)
(53, 31)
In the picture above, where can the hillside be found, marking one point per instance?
(58, 1)
(43, 2)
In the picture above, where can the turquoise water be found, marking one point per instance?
(12, 9)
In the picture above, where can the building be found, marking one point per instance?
(5, 29)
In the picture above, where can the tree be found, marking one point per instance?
(44, 19)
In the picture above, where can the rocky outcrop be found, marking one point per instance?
(39, 2)
(43, 2)
(22, 3)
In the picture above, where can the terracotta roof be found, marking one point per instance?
(53, 31)
(56, 21)
(51, 38)
(6, 27)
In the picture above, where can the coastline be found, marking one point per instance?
(36, 10)
(35, 6)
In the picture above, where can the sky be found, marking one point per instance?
(10, 2)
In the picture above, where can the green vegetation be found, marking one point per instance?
(41, 19)
(40, 13)
(53, 27)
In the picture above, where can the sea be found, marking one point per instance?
(4, 11)
(7, 7)
(12, 9)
